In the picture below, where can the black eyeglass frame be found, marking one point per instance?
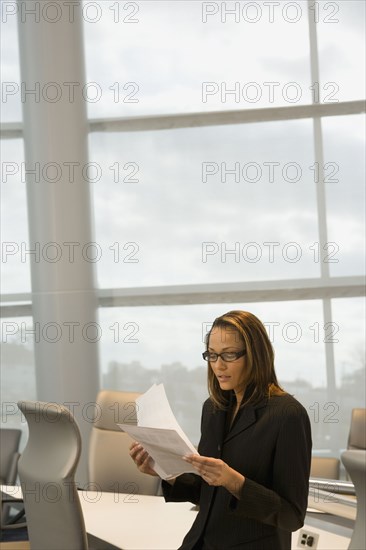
(237, 354)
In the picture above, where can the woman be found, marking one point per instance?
(255, 449)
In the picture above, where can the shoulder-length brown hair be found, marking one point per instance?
(259, 357)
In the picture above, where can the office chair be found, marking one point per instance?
(9, 456)
(355, 464)
(324, 467)
(46, 471)
(357, 432)
(110, 465)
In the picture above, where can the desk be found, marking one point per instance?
(140, 522)
(136, 522)
(132, 522)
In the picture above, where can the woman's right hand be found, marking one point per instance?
(142, 459)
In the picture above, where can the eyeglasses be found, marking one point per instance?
(227, 356)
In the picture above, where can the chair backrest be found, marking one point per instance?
(357, 432)
(9, 445)
(325, 467)
(110, 465)
(46, 471)
(355, 464)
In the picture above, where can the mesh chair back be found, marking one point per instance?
(46, 471)
(9, 445)
(324, 467)
(357, 432)
(355, 464)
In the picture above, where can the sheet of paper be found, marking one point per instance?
(160, 434)
(150, 415)
(166, 448)
(153, 411)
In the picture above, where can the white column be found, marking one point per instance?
(59, 209)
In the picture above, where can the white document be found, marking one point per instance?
(159, 433)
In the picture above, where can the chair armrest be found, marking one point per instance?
(11, 500)
(12, 474)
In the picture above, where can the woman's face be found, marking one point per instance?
(230, 375)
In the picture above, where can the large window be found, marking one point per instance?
(344, 141)
(141, 346)
(341, 37)
(18, 382)
(211, 167)
(164, 344)
(15, 249)
(214, 204)
(170, 57)
(232, 203)
(11, 107)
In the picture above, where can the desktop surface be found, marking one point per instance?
(136, 522)
(133, 522)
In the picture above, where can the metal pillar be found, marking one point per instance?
(59, 209)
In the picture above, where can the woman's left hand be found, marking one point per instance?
(216, 472)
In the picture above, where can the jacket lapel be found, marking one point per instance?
(247, 418)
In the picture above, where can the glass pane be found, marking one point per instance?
(344, 157)
(341, 45)
(349, 362)
(167, 57)
(229, 203)
(17, 371)
(15, 260)
(146, 345)
(11, 107)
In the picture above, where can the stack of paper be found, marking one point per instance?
(159, 433)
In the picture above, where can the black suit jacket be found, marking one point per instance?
(270, 444)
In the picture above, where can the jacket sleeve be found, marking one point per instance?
(187, 487)
(284, 504)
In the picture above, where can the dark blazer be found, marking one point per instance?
(270, 444)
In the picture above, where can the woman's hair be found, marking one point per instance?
(259, 358)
